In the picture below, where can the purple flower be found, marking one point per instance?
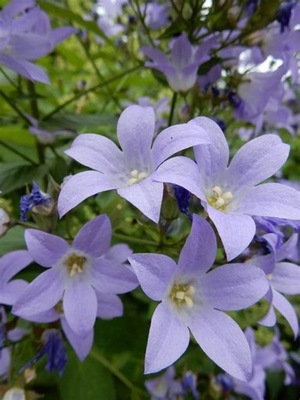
(191, 298)
(37, 201)
(74, 275)
(164, 387)
(231, 194)
(181, 69)
(26, 35)
(129, 171)
(156, 15)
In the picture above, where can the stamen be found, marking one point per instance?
(136, 177)
(219, 200)
(75, 264)
(182, 295)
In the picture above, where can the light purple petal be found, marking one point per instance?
(176, 138)
(109, 276)
(236, 231)
(135, 130)
(145, 195)
(256, 161)
(97, 152)
(180, 171)
(287, 310)
(59, 34)
(109, 306)
(154, 272)
(81, 346)
(41, 294)
(16, 6)
(272, 200)
(12, 263)
(46, 249)
(157, 56)
(212, 160)
(234, 286)
(12, 291)
(269, 319)
(44, 317)
(199, 251)
(80, 307)
(168, 339)
(181, 51)
(119, 253)
(223, 342)
(286, 278)
(29, 46)
(81, 186)
(94, 237)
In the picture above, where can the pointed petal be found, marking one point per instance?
(180, 171)
(46, 249)
(212, 160)
(269, 319)
(176, 138)
(272, 200)
(223, 342)
(109, 276)
(199, 251)
(286, 278)
(256, 161)
(80, 307)
(12, 291)
(94, 237)
(109, 306)
(41, 294)
(81, 346)
(236, 231)
(12, 263)
(119, 253)
(181, 51)
(168, 339)
(157, 56)
(97, 152)
(81, 186)
(145, 195)
(59, 34)
(234, 286)
(154, 272)
(287, 310)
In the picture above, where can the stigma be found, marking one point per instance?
(183, 295)
(136, 176)
(219, 199)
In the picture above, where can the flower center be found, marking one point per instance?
(183, 294)
(136, 176)
(219, 199)
(75, 264)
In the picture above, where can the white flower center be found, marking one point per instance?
(219, 199)
(183, 295)
(75, 264)
(136, 176)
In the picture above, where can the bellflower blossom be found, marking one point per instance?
(26, 35)
(129, 171)
(181, 69)
(37, 201)
(74, 275)
(192, 298)
(231, 194)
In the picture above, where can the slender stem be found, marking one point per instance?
(142, 18)
(97, 356)
(174, 98)
(14, 107)
(9, 79)
(91, 89)
(131, 239)
(7, 146)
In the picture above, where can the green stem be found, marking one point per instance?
(91, 89)
(174, 98)
(142, 18)
(7, 146)
(14, 107)
(97, 356)
(131, 239)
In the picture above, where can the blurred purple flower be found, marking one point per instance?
(130, 171)
(192, 298)
(164, 387)
(37, 201)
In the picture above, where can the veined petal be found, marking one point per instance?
(176, 138)
(223, 342)
(269, 319)
(181, 51)
(154, 273)
(119, 252)
(41, 294)
(97, 152)
(287, 310)
(109, 306)
(46, 249)
(12, 263)
(145, 195)
(236, 231)
(199, 251)
(286, 278)
(81, 346)
(81, 186)
(168, 339)
(80, 307)
(12, 291)
(234, 286)
(94, 237)
(180, 171)
(256, 161)
(272, 200)
(212, 160)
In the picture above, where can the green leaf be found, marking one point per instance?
(12, 240)
(87, 380)
(17, 135)
(15, 175)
